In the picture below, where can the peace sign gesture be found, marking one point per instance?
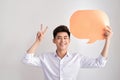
(41, 33)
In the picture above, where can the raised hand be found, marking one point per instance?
(108, 33)
(39, 37)
(41, 33)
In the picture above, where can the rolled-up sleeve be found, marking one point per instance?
(31, 60)
(88, 62)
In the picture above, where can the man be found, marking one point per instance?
(60, 64)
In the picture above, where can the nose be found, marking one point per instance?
(62, 40)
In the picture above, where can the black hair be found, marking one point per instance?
(61, 28)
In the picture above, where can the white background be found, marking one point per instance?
(20, 21)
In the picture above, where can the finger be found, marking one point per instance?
(107, 30)
(45, 30)
(38, 34)
(109, 27)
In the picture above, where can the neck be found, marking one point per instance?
(61, 53)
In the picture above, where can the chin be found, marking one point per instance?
(63, 48)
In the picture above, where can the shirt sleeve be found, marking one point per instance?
(31, 59)
(88, 62)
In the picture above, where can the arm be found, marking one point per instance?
(88, 62)
(29, 58)
(108, 34)
(38, 40)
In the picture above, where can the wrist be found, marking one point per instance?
(108, 40)
(37, 41)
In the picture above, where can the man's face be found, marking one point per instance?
(62, 40)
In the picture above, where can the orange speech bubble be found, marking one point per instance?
(89, 24)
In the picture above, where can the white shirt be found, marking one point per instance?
(67, 68)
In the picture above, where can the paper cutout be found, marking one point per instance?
(89, 24)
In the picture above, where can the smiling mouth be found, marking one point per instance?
(63, 44)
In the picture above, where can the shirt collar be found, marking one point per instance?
(55, 54)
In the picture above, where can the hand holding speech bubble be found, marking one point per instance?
(89, 24)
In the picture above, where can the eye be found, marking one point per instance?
(65, 37)
(58, 38)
